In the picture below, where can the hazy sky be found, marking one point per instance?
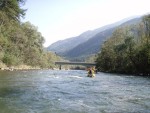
(61, 19)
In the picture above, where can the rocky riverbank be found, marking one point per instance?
(19, 67)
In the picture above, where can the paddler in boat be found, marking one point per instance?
(91, 72)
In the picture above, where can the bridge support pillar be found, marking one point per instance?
(59, 67)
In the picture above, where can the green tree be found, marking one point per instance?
(33, 45)
(21, 43)
(12, 9)
(128, 50)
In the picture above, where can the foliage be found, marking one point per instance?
(21, 43)
(128, 50)
(12, 9)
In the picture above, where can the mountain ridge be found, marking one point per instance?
(89, 42)
(61, 46)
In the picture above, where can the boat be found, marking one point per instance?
(91, 75)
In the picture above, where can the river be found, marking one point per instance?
(54, 91)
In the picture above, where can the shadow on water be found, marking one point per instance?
(50, 91)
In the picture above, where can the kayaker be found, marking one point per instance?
(91, 72)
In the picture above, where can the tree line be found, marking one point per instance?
(21, 43)
(127, 50)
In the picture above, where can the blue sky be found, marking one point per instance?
(61, 19)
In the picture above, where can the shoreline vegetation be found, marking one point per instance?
(127, 50)
(21, 44)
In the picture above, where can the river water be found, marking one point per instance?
(51, 91)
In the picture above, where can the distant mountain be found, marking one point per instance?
(89, 42)
(93, 45)
(63, 46)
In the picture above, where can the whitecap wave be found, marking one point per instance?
(52, 76)
(76, 77)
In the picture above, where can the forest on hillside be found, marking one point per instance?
(21, 43)
(128, 50)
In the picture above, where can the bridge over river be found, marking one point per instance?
(74, 63)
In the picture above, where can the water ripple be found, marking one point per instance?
(50, 91)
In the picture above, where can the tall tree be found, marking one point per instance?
(12, 8)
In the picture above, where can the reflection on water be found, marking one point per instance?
(47, 91)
